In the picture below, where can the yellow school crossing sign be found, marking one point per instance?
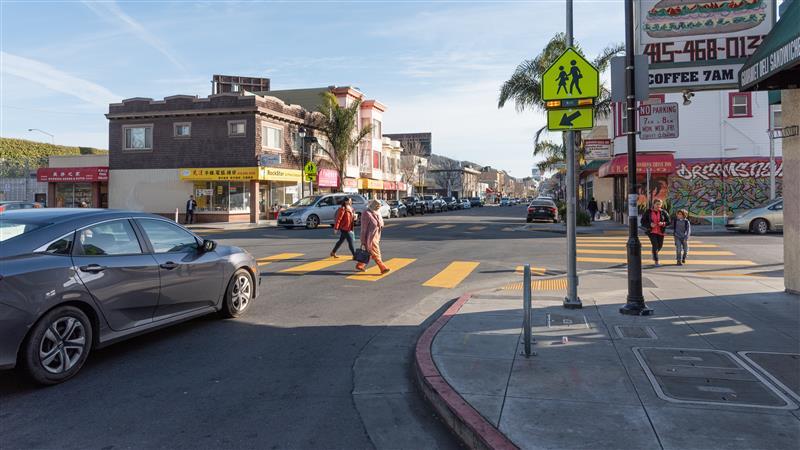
(310, 171)
(570, 119)
(570, 77)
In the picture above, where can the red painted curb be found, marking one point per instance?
(465, 421)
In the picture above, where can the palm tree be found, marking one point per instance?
(339, 124)
(524, 88)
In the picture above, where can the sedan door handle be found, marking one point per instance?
(169, 265)
(93, 268)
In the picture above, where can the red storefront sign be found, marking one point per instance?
(658, 163)
(389, 186)
(327, 178)
(72, 174)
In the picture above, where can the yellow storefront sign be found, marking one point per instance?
(368, 183)
(239, 174)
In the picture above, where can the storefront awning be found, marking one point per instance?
(776, 62)
(658, 163)
(72, 174)
(592, 166)
(370, 184)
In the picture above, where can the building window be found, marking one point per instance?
(229, 196)
(775, 120)
(739, 104)
(322, 145)
(137, 137)
(377, 131)
(376, 160)
(237, 128)
(182, 129)
(352, 158)
(271, 137)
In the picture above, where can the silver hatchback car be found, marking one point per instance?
(314, 210)
(759, 220)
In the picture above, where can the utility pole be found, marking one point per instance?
(635, 301)
(571, 301)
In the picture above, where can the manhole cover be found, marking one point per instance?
(634, 332)
(708, 377)
(782, 368)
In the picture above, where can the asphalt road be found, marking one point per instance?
(321, 360)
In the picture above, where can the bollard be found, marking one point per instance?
(176, 215)
(526, 308)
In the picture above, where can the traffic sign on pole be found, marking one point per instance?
(570, 119)
(570, 76)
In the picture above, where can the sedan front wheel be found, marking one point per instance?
(58, 345)
(239, 294)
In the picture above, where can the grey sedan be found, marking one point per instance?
(72, 280)
(759, 220)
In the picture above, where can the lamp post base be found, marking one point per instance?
(635, 309)
(573, 304)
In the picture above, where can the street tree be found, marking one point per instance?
(339, 124)
(524, 88)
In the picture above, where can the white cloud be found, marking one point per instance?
(56, 80)
(110, 10)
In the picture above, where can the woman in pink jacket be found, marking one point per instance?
(371, 227)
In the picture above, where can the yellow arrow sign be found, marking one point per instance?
(570, 76)
(570, 119)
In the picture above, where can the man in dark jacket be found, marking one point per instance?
(592, 207)
(191, 205)
(655, 220)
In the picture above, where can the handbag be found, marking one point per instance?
(361, 256)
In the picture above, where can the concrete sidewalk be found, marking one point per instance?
(716, 366)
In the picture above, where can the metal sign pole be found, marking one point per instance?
(772, 189)
(571, 300)
(635, 301)
(526, 308)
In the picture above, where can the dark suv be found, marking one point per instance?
(414, 205)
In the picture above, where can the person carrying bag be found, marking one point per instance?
(371, 227)
(655, 220)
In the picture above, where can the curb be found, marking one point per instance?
(467, 423)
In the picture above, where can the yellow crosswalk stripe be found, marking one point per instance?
(479, 228)
(417, 225)
(279, 257)
(667, 261)
(374, 273)
(316, 265)
(444, 227)
(616, 232)
(452, 275)
(692, 245)
(534, 270)
(624, 252)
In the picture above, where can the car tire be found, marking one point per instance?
(238, 295)
(312, 222)
(759, 226)
(57, 346)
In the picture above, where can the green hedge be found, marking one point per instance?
(17, 154)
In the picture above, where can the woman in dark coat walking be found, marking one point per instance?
(655, 220)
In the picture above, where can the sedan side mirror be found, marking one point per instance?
(209, 245)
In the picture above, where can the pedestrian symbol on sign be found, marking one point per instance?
(576, 77)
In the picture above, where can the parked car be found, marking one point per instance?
(475, 202)
(414, 205)
(439, 204)
(505, 201)
(12, 205)
(72, 280)
(398, 208)
(465, 204)
(452, 203)
(385, 210)
(314, 210)
(542, 209)
(428, 201)
(758, 220)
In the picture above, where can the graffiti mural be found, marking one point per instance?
(715, 187)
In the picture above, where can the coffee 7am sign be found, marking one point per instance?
(72, 174)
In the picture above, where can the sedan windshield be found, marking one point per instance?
(14, 228)
(306, 201)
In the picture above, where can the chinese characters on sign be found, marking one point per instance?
(658, 121)
(72, 174)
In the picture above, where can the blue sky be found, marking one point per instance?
(437, 65)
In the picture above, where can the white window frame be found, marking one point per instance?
(146, 148)
(377, 131)
(236, 122)
(265, 136)
(177, 125)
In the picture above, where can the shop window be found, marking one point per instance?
(137, 137)
(271, 137)
(73, 195)
(237, 128)
(182, 129)
(222, 196)
(739, 104)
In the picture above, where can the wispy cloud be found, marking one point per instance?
(56, 80)
(111, 10)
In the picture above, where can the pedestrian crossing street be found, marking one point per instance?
(612, 249)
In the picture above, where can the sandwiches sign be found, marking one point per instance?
(697, 44)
